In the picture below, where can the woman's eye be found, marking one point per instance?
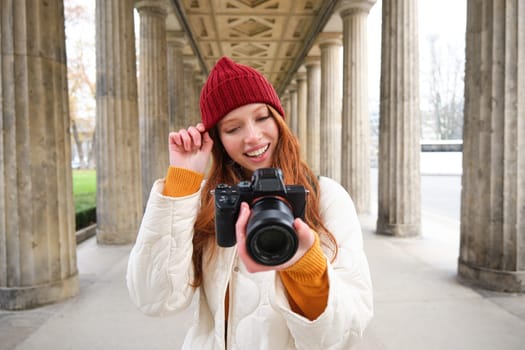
(263, 118)
(231, 130)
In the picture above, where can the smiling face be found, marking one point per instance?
(249, 135)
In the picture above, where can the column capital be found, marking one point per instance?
(292, 87)
(190, 62)
(326, 39)
(300, 76)
(348, 7)
(199, 78)
(176, 37)
(310, 61)
(157, 6)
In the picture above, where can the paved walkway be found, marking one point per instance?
(419, 303)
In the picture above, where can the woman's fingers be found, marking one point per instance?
(189, 139)
(200, 127)
(190, 148)
(195, 135)
(186, 140)
(207, 142)
(240, 225)
(304, 233)
(174, 139)
(240, 234)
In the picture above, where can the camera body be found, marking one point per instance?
(270, 236)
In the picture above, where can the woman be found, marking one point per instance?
(319, 299)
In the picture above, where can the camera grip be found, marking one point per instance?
(227, 204)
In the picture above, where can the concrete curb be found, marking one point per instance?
(86, 233)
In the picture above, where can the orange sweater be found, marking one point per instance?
(306, 281)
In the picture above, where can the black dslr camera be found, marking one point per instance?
(270, 236)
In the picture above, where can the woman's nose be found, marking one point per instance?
(253, 133)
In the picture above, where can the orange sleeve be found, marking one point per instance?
(181, 182)
(307, 283)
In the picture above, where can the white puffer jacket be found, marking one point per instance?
(160, 271)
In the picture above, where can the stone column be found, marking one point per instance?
(355, 152)
(285, 101)
(119, 190)
(292, 88)
(399, 212)
(492, 245)
(190, 98)
(301, 112)
(330, 162)
(198, 83)
(153, 89)
(175, 67)
(313, 112)
(37, 226)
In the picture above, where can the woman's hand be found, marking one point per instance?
(190, 148)
(304, 234)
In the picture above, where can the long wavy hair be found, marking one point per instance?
(224, 170)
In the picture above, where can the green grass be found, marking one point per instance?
(84, 189)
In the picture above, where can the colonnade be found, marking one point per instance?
(327, 109)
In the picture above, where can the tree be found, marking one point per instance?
(443, 112)
(80, 41)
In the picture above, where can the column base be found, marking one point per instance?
(398, 230)
(496, 280)
(22, 298)
(116, 237)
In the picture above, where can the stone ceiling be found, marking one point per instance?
(272, 36)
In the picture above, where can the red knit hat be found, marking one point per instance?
(231, 85)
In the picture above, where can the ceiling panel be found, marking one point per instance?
(266, 34)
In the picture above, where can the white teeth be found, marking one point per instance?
(258, 152)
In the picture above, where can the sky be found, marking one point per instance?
(445, 19)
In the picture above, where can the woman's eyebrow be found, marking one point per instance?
(265, 108)
(225, 123)
(229, 121)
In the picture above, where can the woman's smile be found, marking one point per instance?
(258, 152)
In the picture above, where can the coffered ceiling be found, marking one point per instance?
(272, 36)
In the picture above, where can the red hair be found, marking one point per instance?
(295, 171)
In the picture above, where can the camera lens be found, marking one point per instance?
(271, 239)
